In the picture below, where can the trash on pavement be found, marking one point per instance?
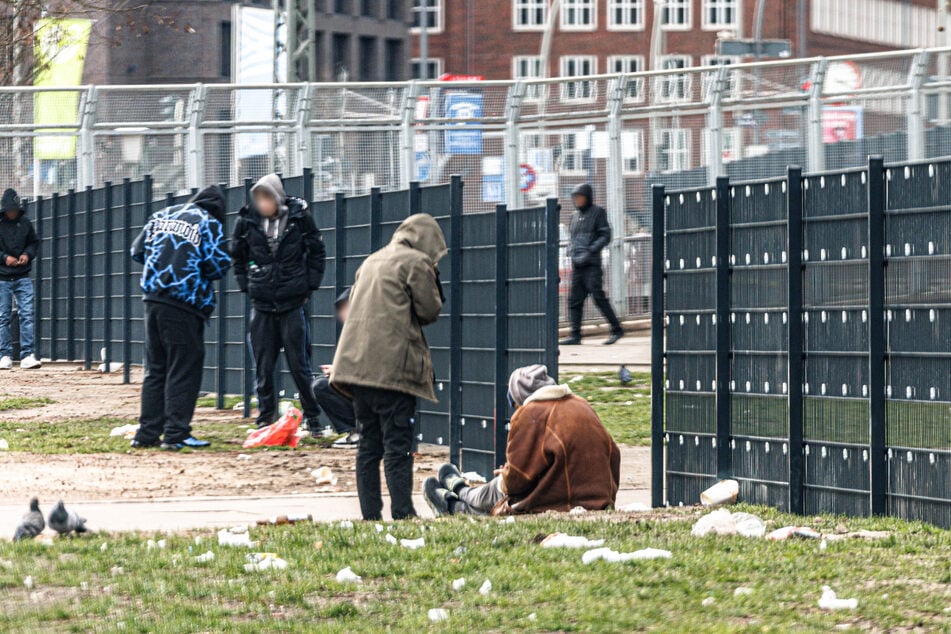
(437, 615)
(613, 557)
(205, 558)
(324, 476)
(347, 575)
(634, 507)
(124, 431)
(787, 532)
(413, 544)
(723, 492)
(237, 536)
(561, 540)
(264, 561)
(243, 456)
(830, 601)
(281, 433)
(485, 588)
(458, 584)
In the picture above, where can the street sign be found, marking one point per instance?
(754, 48)
(424, 167)
(528, 177)
(466, 136)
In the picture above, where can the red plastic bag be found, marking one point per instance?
(282, 433)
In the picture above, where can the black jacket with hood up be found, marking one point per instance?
(17, 238)
(281, 280)
(589, 229)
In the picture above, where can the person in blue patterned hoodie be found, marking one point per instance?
(183, 251)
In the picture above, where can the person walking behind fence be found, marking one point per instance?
(558, 456)
(337, 407)
(279, 260)
(383, 359)
(590, 233)
(18, 243)
(184, 251)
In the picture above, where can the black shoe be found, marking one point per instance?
(191, 442)
(450, 478)
(437, 497)
(171, 446)
(613, 339)
(573, 340)
(138, 444)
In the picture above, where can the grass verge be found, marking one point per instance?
(901, 582)
(8, 403)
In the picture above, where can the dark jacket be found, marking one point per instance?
(589, 229)
(281, 280)
(184, 251)
(17, 238)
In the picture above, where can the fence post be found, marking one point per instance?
(38, 301)
(194, 147)
(715, 126)
(304, 155)
(340, 243)
(221, 378)
(107, 276)
(876, 332)
(71, 275)
(86, 165)
(376, 218)
(308, 193)
(513, 172)
(87, 290)
(815, 149)
(248, 370)
(455, 323)
(415, 198)
(916, 107)
(795, 336)
(127, 280)
(501, 330)
(724, 457)
(657, 345)
(615, 198)
(408, 134)
(552, 281)
(53, 241)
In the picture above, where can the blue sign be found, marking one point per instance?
(493, 188)
(424, 166)
(466, 137)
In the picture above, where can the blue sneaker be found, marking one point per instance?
(191, 442)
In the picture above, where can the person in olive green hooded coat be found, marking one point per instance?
(383, 359)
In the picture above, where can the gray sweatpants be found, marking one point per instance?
(479, 500)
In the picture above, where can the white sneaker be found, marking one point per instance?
(349, 441)
(30, 362)
(6, 363)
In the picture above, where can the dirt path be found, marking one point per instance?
(149, 475)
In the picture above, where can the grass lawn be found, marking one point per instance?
(624, 409)
(22, 402)
(114, 583)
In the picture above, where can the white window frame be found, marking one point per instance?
(530, 5)
(719, 7)
(532, 91)
(677, 5)
(437, 62)
(677, 158)
(731, 139)
(578, 87)
(439, 8)
(631, 64)
(629, 168)
(671, 88)
(578, 155)
(579, 7)
(626, 6)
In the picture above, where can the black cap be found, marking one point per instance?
(343, 299)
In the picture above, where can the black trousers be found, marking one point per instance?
(269, 333)
(174, 358)
(337, 407)
(386, 421)
(589, 280)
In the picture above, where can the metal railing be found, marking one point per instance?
(515, 142)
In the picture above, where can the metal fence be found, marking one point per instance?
(807, 327)
(500, 278)
(514, 142)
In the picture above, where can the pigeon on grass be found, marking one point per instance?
(66, 522)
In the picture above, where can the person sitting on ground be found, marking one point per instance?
(558, 456)
(337, 407)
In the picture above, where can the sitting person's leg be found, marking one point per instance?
(479, 500)
(337, 407)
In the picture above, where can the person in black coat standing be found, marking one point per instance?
(278, 258)
(18, 243)
(590, 233)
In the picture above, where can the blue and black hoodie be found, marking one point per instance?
(184, 251)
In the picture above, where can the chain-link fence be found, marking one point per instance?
(514, 142)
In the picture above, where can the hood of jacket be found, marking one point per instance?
(11, 202)
(587, 191)
(273, 186)
(212, 200)
(422, 232)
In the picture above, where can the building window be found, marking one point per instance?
(632, 148)
(371, 8)
(342, 7)
(574, 151)
(625, 65)
(528, 67)
(676, 15)
(578, 66)
(394, 9)
(395, 71)
(433, 68)
(369, 64)
(626, 15)
(579, 15)
(529, 15)
(429, 12)
(720, 14)
(675, 86)
(341, 49)
(673, 149)
(226, 50)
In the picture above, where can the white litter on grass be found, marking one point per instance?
(474, 477)
(485, 588)
(124, 431)
(634, 507)
(508, 520)
(104, 547)
(788, 532)
(243, 456)
(347, 575)
(160, 544)
(823, 545)
(379, 528)
(28, 582)
(458, 584)
(748, 525)
(532, 617)
(205, 558)
(708, 602)
(742, 592)
(722, 522)
(561, 540)
(830, 601)
(723, 492)
(437, 615)
(237, 537)
(390, 539)
(345, 524)
(116, 571)
(613, 557)
(324, 476)
(264, 561)
(578, 510)
(4, 445)
(412, 544)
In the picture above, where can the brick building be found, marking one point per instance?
(500, 39)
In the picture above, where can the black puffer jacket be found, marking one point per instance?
(282, 280)
(17, 238)
(590, 231)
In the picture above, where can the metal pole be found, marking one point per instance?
(38, 303)
(547, 36)
(456, 220)
(795, 337)
(552, 282)
(513, 173)
(724, 457)
(87, 287)
(248, 387)
(876, 334)
(916, 108)
(944, 24)
(71, 275)
(657, 347)
(423, 12)
(715, 127)
(815, 149)
(407, 135)
(107, 276)
(616, 198)
(127, 282)
(53, 241)
(501, 331)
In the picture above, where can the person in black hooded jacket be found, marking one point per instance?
(590, 233)
(18, 244)
(279, 260)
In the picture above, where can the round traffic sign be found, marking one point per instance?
(528, 177)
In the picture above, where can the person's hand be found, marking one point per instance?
(498, 471)
(23, 259)
(326, 369)
(11, 261)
